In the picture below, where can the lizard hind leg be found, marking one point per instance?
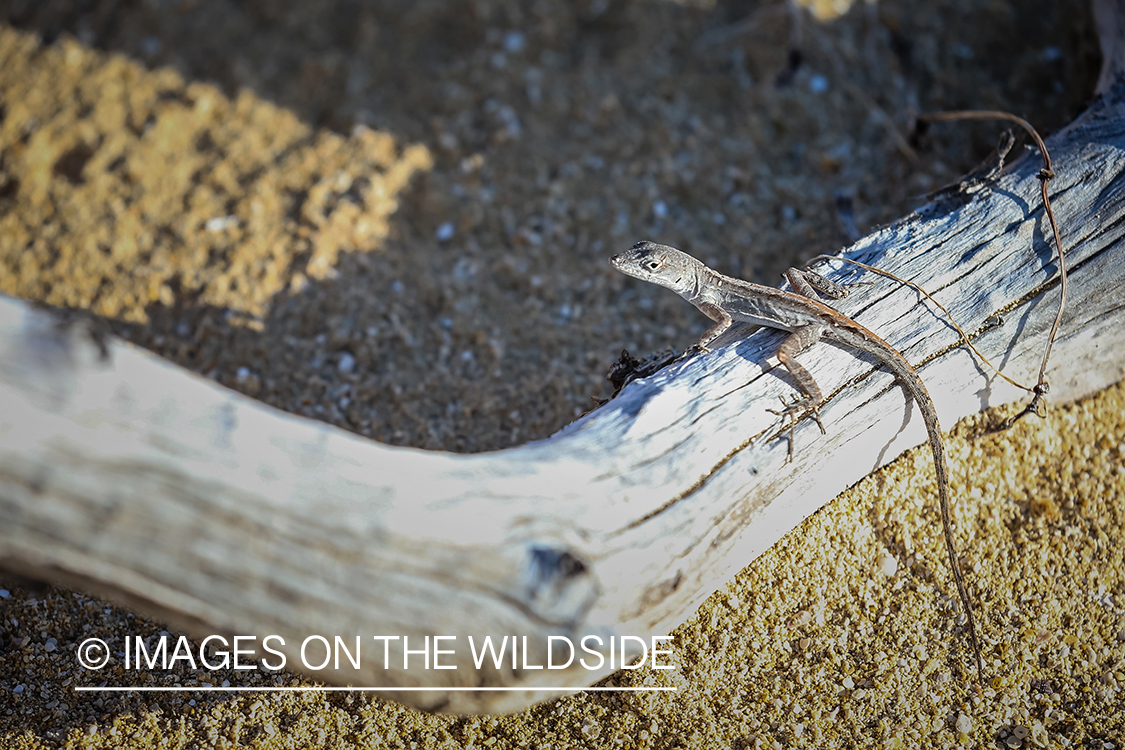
(808, 405)
(808, 283)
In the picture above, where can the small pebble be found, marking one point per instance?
(151, 45)
(888, 564)
(818, 84)
(346, 363)
(964, 724)
(964, 51)
(221, 223)
(514, 42)
(445, 232)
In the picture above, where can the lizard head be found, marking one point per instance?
(658, 264)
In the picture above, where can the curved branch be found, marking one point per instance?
(126, 476)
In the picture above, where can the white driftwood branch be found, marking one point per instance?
(126, 476)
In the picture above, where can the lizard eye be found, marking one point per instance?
(652, 265)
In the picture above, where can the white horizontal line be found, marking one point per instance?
(118, 689)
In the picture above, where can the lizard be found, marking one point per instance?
(725, 300)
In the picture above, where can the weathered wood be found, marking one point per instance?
(128, 477)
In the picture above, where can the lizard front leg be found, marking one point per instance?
(722, 322)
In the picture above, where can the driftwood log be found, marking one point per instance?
(126, 476)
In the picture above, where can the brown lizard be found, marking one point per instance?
(725, 300)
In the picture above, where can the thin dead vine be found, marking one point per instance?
(1042, 387)
(1045, 175)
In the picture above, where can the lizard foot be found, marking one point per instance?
(793, 412)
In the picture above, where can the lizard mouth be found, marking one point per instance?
(621, 263)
